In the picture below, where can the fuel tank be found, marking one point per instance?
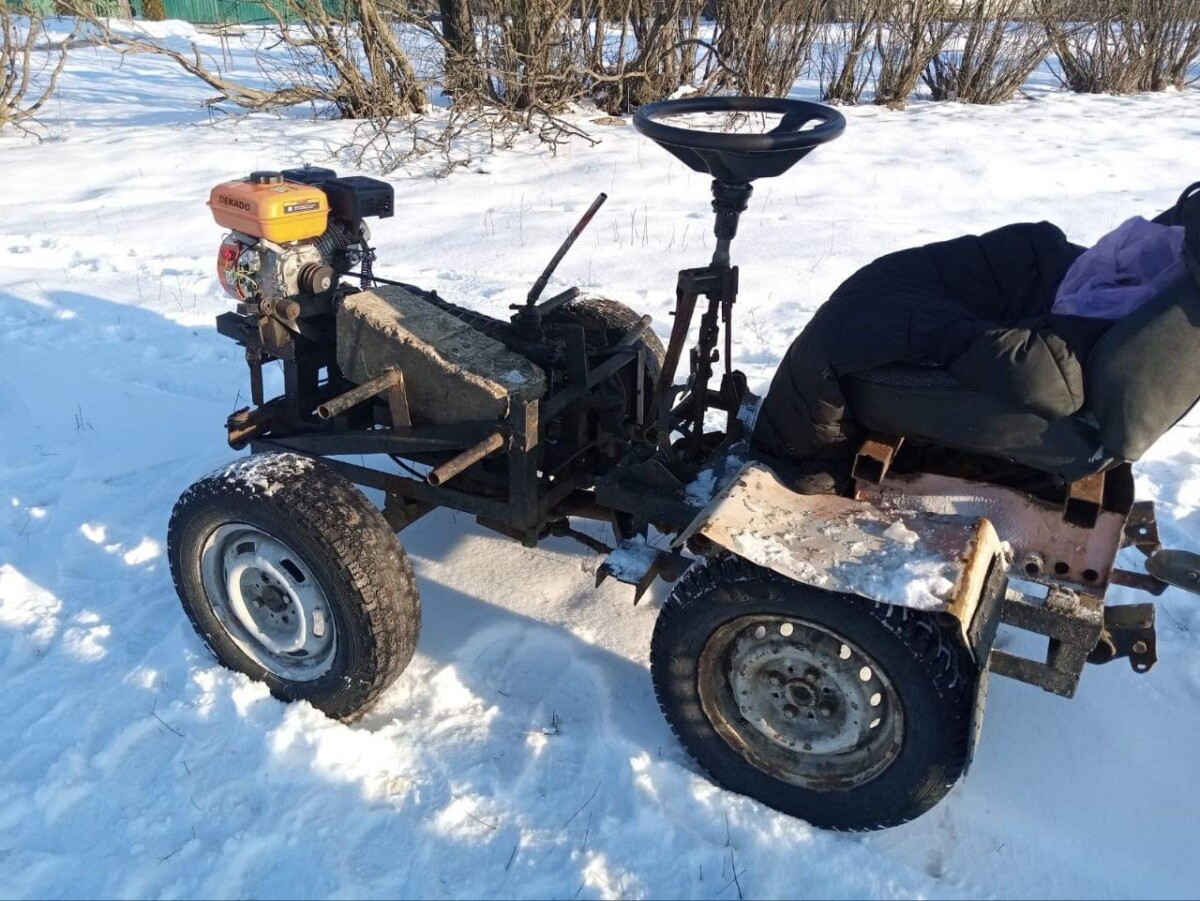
(265, 205)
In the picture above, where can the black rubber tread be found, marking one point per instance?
(926, 661)
(345, 541)
(612, 315)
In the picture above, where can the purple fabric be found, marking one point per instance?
(1124, 269)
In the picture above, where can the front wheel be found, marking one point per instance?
(291, 576)
(849, 714)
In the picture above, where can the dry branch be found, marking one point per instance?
(29, 66)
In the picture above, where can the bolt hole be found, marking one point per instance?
(760, 632)
(876, 699)
(1062, 568)
(1090, 575)
(786, 630)
(875, 723)
(1032, 569)
(811, 715)
(844, 652)
(865, 674)
(826, 690)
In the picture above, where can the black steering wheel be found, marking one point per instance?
(741, 157)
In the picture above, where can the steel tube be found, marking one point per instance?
(453, 467)
(356, 396)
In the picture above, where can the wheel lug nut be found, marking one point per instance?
(776, 681)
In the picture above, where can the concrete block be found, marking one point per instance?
(452, 372)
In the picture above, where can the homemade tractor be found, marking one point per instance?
(825, 653)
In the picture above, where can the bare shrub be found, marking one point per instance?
(29, 66)
(349, 60)
(1122, 46)
(913, 33)
(847, 56)
(762, 46)
(542, 55)
(996, 51)
(657, 50)
(525, 49)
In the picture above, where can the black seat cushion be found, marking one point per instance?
(977, 305)
(933, 406)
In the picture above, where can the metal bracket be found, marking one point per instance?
(875, 458)
(1128, 632)
(1085, 499)
(710, 281)
(1072, 623)
(1141, 528)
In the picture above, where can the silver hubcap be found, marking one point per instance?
(800, 702)
(268, 602)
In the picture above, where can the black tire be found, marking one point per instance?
(927, 665)
(340, 538)
(613, 319)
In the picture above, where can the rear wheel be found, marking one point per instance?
(293, 577)
(850, 714)
(608, 321)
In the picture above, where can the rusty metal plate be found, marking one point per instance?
(1044, 547)
(907, 558)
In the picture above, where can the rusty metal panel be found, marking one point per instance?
(1045, 549)
(904, 557)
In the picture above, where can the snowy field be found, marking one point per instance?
(522, 754)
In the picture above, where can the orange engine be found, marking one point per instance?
(265, 205)
(291, 234)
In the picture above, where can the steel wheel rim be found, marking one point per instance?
(800, 702)
(268, 602)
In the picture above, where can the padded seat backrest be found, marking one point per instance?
(1143, 375)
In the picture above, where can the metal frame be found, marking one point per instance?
(333, 418)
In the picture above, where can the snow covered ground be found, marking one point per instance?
(522, 754)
